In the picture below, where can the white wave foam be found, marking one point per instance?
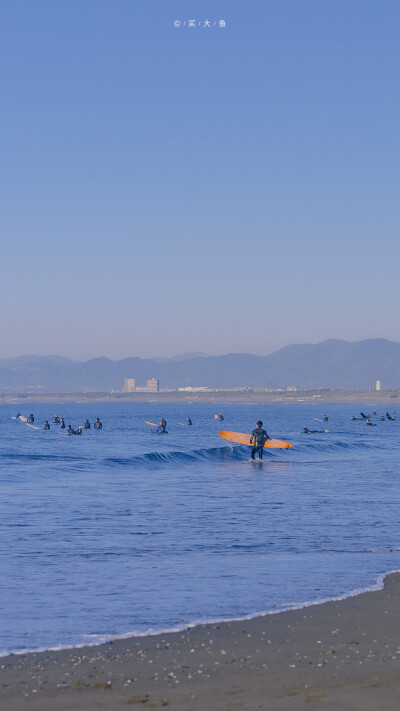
(105, 639)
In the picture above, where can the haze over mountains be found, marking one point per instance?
(330, 364)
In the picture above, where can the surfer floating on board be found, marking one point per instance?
(162, 426)
(31, 418)
(258, 439)
(219, 416)
(70, 431)
(46, 425)
(87, 425)
(189, 421)
(62, 424)
(98, 425)
(371, 424)
(56, 420)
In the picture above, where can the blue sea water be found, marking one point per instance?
(124, 531)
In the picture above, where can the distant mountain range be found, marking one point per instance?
(330, 364)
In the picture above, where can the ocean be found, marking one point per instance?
(122, 531)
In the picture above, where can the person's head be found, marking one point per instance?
(259, 423)
(305, 430)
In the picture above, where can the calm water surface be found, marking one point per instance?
(123, 530)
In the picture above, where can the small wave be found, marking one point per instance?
(95, 640)
(213, 453)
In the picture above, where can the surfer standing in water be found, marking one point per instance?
(259, 437)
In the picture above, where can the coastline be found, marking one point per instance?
(381, 398)
(338, 654)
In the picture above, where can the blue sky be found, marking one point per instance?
(170, 189)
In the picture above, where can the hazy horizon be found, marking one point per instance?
(170, 189)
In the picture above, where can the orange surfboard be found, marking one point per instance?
(241, 438)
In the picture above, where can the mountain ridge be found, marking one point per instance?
(333, 363)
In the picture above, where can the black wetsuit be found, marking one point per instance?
(189, 421)
(307, 431)
(31, 418)
(162, 426)
(56, 420)
(259, 437)
(62, 424)
(97, 425)
(87, 425)
(46, 426)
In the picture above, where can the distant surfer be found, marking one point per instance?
(258, 439)
(371, 424)
(62, 424)
(389, 417)
(325, 418)
(31, 418)
(70, 431)
(46, 425)
(87, 425)
(189, 421)
(162, 426)
(18, 416)
(307, 431)
(56, 420)
(382, 417)
(98, 425)
(219, 416)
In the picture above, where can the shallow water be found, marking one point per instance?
(122, 530)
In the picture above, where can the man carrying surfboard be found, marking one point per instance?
(259, 438)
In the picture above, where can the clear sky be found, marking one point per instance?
(170, 189)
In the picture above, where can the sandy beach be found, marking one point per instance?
(337, 655)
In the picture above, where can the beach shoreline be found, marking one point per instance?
(338, 654)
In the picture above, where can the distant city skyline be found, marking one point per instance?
(173, 188)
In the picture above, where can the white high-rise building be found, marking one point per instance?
(129, 385)
(378, 385)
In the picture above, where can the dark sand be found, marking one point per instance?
(337, 656)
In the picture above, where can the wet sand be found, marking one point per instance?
(341, 655)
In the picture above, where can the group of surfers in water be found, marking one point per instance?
(162, 427)
(61, 424)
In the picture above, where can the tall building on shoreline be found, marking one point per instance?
(153, 386)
